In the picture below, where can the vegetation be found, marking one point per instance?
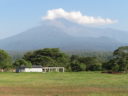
(53, 57)
(63, 84)
(5, 60)
(85, 63)
(119, 62)
(103, 56)
(22, 62)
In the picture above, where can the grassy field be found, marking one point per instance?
(63, 84)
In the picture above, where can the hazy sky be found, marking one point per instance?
(19, 15)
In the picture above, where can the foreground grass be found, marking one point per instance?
(63, 84)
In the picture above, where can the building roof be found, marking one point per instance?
(36, 66)
(33, 66)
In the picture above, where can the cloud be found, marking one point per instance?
(77, 17)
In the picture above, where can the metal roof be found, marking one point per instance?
(33, 66)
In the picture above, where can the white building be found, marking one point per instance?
(34, 68)
(53, 69)
(39, 68)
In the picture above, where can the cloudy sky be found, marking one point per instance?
(19, 15)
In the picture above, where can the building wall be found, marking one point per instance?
(32, 70)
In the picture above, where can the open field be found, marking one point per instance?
(63, 84)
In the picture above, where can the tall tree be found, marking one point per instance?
(21, 62)
(92, 64)
(119, 61)
(47, 57)
(5, 60)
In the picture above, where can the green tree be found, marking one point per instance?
(111, 65)
(77, 64)
(75, 67)
(85, 63)
(48, 57)
(5, 60)
(92, 64)
(119, 62)
(21, 62)
(121, 52)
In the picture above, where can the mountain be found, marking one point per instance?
(67, 36)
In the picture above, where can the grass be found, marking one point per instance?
(63, 84)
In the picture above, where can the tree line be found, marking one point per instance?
(53, 57)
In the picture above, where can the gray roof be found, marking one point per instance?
(36, 66)
(33, 66)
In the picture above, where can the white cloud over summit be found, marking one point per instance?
(76, 17)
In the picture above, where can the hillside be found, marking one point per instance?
(65, 36)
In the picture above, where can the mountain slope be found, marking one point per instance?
(54, 35)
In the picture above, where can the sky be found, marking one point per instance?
(20, 15)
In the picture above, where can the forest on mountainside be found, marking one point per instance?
(72, 60)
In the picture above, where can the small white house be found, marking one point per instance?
(39, 68)
(34, 68)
